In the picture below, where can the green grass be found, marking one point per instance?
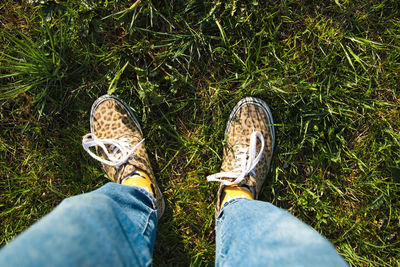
(328, 69)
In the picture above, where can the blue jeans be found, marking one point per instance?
(116, 225)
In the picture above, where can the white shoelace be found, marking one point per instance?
(246, 162)
(120, 149)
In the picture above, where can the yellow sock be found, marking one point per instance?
(139, 178)
(235, 191)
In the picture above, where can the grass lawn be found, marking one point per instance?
(329, 70)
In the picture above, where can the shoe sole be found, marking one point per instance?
(131, 113)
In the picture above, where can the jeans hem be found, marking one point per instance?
(147, 194)
(219, 217)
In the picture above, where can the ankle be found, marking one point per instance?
(140, 179)
(236, 192)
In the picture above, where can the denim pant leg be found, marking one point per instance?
(256, 233)
(114, 225)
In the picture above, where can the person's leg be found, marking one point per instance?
(256, 233)
(250, 232)
(114, 225)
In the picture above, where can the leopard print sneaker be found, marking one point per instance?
(250, 140)
(118, 139)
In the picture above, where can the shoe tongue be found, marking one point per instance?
(233, 179)
(242, 145)
(129, 136)
(251, 180)
(239, 146)
(134, 163)
(128, 169)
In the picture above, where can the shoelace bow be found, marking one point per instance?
(247, 160)
(120, 149)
